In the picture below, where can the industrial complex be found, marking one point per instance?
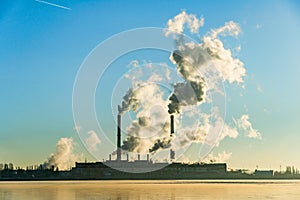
(123, 169)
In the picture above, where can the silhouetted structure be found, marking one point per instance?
(120, 169)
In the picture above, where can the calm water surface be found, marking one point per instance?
(79, 190)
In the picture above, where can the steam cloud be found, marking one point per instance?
(209, 60)
(161, 144)
(129, 101)
(186, 94)
(63, 158)
(209, 57)
(146, 99)
(200, 65)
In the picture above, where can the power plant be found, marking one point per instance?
(146, 169)
(119, 145)
(139, 169)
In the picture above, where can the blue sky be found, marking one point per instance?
(43, 47)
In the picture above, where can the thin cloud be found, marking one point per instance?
(258, 26)
(52, 4)
(77, 128)
(246, 126)
(260, 89)
(176, 25)
(93, 141)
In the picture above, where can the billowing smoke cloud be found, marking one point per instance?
(151, 123)
(206, 59)
(201, 66)
(131, 143)
(198, 132)
(161, 144)
(204, 63)
(64, 157)
(198, 63)
(186, 94)
(130, 101)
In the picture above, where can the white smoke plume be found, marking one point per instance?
(206, 59)
(198, 133)
(64, 157)
(151, 123)
(186, 94)
(129, 102)
(195, 133)
(201, 66)
(246, 126)
(205, 62)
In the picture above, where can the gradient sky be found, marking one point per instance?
(43, 46)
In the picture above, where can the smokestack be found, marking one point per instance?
(172, 125)
(119, 138)
(172, 153)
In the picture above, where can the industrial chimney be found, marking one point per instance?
(172, 125)
(119, 138)
(172, 153)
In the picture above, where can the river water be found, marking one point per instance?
(81, 190)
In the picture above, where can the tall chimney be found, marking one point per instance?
(172, 125)
(172, 153)
(119, 138)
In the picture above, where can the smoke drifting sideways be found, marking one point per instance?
(64, 157)
(201, 66)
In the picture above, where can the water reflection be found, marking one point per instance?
(123, 190)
